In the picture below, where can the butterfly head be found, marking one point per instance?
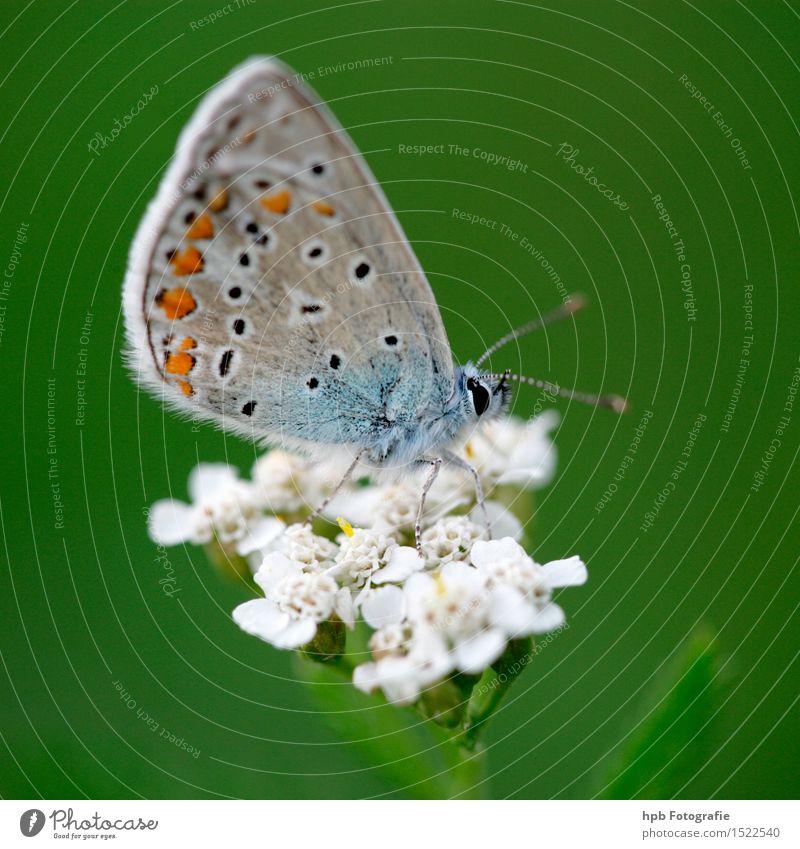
(485, 396)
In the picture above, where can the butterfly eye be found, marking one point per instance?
(480, 396)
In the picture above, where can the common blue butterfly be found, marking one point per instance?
(272, 291)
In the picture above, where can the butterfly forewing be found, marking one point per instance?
(271, 288)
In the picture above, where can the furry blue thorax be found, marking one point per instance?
(476, 397)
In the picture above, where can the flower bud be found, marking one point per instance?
(328, 643)
(444, 703)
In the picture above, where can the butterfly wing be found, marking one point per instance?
(270, 287)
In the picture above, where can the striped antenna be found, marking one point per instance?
(568, 308)
(611, 402)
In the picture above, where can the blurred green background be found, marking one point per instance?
(613, 706)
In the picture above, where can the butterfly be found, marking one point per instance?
(271, 290)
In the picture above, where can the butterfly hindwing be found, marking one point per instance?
(271, 288)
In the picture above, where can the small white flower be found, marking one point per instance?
(392, 640)
(298, 542)
(405, 664)
(457, 618)
(288, 483)
(427, 629)
(392, 508)
(450, 539)
(401, 562)
(260, 538)
(222, 505)
(521, 589)
(368, 557)
(512, 451)
(453, 606)
(295, 602)
(402, 679)
(396, 507)
(383, 607)
(282, 480)
(450, 613)
(361, 553)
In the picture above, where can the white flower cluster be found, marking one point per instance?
(430, 617)
(453, 609)
(460, 616)
(248, 515)
(243, 515)
(298, 594)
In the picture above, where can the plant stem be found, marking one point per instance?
(492, 687)
(485, 699)
(467, 773)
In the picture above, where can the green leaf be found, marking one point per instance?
(416, 758)
(675, 733)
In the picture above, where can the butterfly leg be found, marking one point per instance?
(342, 482)
(435, 463)
(454, 460)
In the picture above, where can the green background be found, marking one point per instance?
(82, 604)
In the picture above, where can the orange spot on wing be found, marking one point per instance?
(188, 343)
(181, 363)
(186, 387)
(247, 136)
(202, 228)
(219, 201)
(277, 201)
(190, 261)
(322, 207)
(176, 302)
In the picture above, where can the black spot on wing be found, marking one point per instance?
(225, 363)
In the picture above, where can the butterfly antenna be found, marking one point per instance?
(568, 308)
(612, 402)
